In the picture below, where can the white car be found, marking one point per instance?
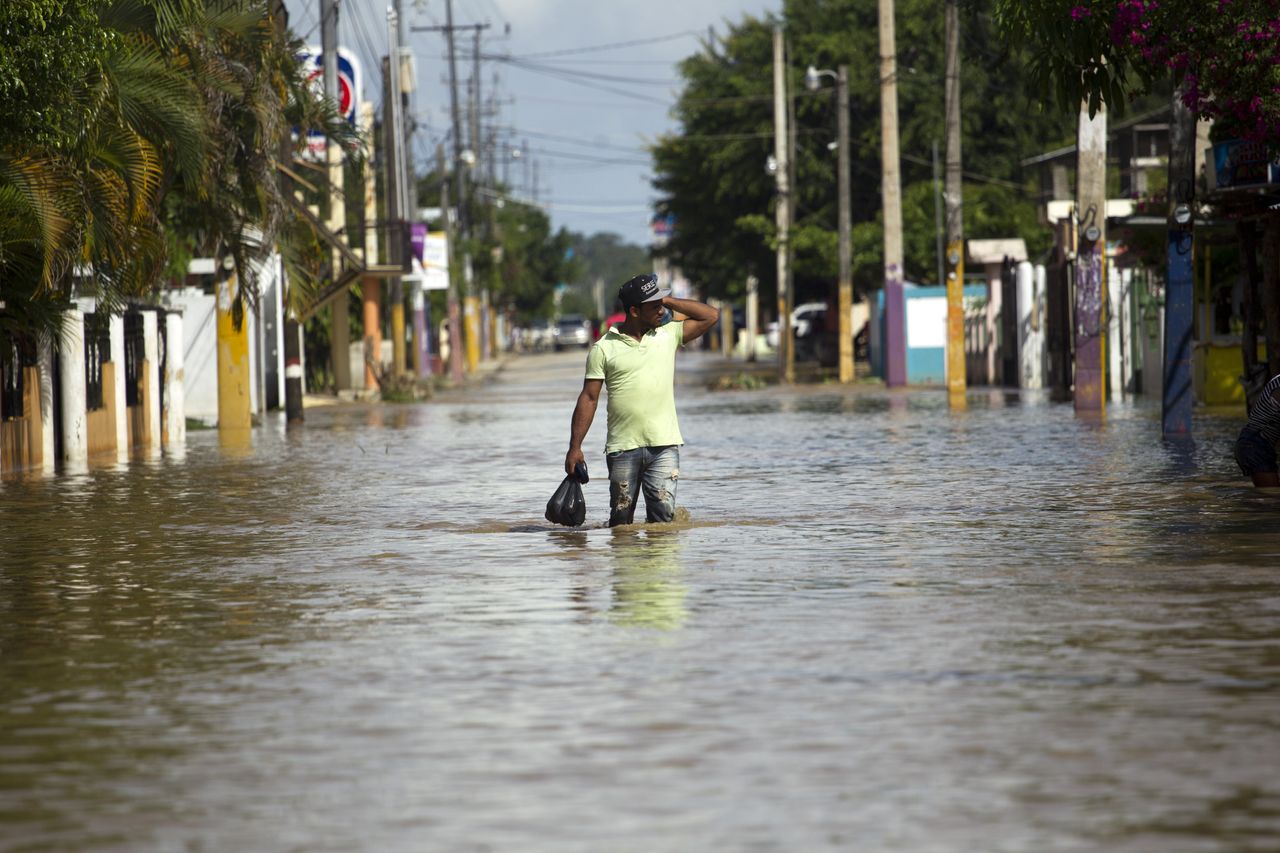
(803, 318)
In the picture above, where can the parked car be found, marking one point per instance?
(538, 337)
(806, 319)
(573, 330)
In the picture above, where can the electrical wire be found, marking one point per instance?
(616, 45)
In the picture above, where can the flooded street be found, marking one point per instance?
(882, 626)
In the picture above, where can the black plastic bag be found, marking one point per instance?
(567, 506)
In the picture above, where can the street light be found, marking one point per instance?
(812, 80)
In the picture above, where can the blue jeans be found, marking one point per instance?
(656, 469)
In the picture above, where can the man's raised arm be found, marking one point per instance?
(583, 414)
(700, 316)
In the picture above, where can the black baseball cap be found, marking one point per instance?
(642, 288)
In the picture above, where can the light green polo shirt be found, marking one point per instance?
(640, 378)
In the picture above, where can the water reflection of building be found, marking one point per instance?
(648, 581)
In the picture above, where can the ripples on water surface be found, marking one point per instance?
(884, 626)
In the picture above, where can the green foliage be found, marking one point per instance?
(711, 173)
(1225, 54)
(606, 258)
(143, 131)
(48, 51)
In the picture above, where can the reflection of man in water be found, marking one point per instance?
(635, 360)
(1256, 446)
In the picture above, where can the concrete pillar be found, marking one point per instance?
(122, 412)
(234, 377)
(151, 356)
(175, 412)
(71, 380)
(753, 315)
(372, 348)
(45, 360)
(1029, 337)
(340, 349)
(1117, 332)
(421, 323)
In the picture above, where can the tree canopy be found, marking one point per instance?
(1225, 52)
(711, 173)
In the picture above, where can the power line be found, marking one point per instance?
(571, 50)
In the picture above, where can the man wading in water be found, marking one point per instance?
(636, 361)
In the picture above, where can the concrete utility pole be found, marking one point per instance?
(292, 328)
(1091, 210)
(845, 325)
(956, 383)
(371, 287)
(845, 278)
(1178, 396)
(894, 301)
(455, 314)
(782, 212)
(396, 209)
(337, 220)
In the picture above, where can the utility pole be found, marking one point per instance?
(782, 211)
(894, 301)
(1178, 396)
(455, 315)
(845, 326)
(337, 219)
(292, 328)
(371, 287)
(463, 231)
(1091, 208)
(396, 209)
(954, 200)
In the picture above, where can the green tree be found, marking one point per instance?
(606, 258)
(711, 171)
(1227, 52)
(168, 135)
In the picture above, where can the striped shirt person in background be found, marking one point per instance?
(1256, 446)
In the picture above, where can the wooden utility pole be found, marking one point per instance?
(891, 188)
(782, 211)
(954, 200)
(1091, 211)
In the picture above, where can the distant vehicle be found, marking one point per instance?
(807, 319)
(573, 330)
(538, 337)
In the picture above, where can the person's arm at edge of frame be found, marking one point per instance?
(700, 316)
(583, 414)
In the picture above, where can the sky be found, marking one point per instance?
(580, 88)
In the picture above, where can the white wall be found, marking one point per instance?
(199, 352)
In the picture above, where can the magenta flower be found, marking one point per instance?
(1079, 13)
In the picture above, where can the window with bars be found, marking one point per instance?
(133, 355)
(10, 381)
(97, 351)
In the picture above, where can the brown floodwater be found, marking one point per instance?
(878, 625)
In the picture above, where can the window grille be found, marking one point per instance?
(134, 352)
(10, 380)
(97, 351)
